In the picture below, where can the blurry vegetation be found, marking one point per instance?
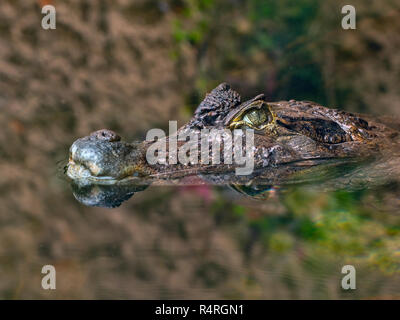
(338, 226)
(293, 50)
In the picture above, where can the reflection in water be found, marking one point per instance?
(296, 240)
(112, 196)
(108, 196)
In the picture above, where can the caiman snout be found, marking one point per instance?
(102, 155)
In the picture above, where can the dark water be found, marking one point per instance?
(257, 241)
(199, 240)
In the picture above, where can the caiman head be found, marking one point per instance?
(286, 134)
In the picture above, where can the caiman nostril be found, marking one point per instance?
(105, 134)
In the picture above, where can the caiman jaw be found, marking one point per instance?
(77, 171)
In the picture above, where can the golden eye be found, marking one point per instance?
(255, 117)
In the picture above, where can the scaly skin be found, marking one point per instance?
(295, 134)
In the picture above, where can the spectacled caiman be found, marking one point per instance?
(293, 140)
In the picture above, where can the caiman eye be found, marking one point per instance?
(255, 116)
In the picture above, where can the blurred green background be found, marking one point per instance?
(294, 50)
(133, 65)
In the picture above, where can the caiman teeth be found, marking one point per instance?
(76, 170)
(79, 171)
